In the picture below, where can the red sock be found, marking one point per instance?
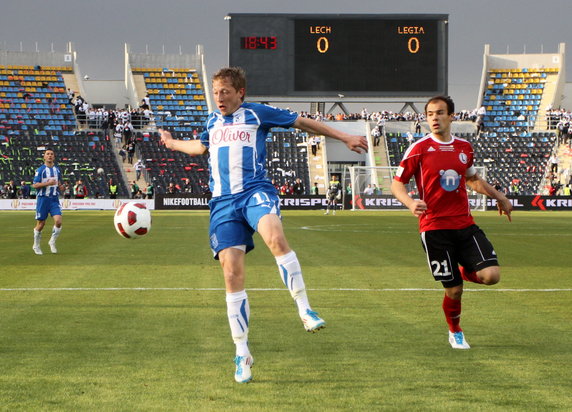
(470, 276)
(452, 309)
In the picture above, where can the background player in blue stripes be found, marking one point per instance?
(48, 183)
(245, 201)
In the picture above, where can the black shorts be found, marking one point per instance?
(447, 249)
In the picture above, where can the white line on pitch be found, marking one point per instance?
(275, 289)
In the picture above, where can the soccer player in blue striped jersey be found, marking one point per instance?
(48, 183)
(245, 201)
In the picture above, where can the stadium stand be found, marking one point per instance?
(176, 97)
(164, 166)
(397, 144)
(35, 113)
(518, 162)
(35, 98)
(514, 143)
(79, 155)
(513, 98)
(287, 156)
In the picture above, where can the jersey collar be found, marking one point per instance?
(441, 142)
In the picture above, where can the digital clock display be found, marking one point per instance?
(258, 42)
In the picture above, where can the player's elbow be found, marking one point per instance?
(396, 188)
(198, 151)
(306, 124)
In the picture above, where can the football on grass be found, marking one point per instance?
(132, 220)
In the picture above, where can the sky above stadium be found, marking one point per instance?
(99, 29)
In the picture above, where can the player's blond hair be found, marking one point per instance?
(236, 75)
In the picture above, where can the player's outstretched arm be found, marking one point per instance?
(190, 147)
(355, 143)
(416, 206)
(479, 185)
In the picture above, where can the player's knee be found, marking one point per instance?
(277, 244)
(231, 267)
(490, 275)
(455, 292)
(270, 228)
(233, 279)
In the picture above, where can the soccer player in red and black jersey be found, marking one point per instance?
(456, 248)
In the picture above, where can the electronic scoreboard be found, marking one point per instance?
(332, 54)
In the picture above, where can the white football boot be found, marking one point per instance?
(458, 341)
(243, 364)
(52, 244)
(312, 322)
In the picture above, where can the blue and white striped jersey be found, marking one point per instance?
(237, 146)
(43, 174)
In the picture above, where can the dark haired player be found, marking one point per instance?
(456, 248)
(48, 183)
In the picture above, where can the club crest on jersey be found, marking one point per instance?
(238, 117)
(463, 158)
(450, 180)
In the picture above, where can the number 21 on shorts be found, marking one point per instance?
(441, 270)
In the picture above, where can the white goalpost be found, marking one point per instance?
(379, 178)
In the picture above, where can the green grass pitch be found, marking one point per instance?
(111, 324)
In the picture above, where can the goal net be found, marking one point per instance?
(371, 188)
